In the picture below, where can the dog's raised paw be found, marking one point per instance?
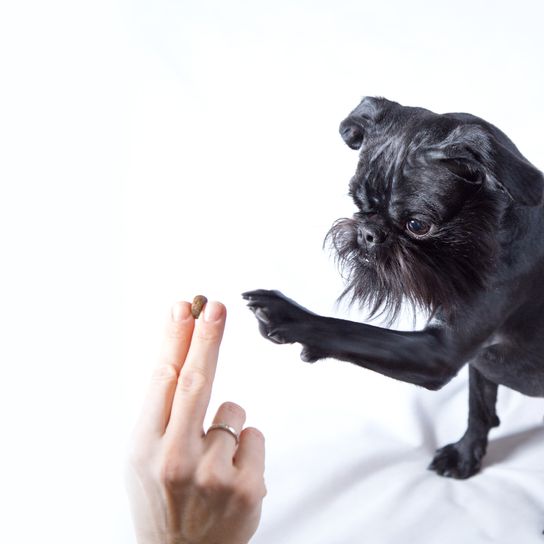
(276, 314)
(457, 461)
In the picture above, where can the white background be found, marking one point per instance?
(151, 151)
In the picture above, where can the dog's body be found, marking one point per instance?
(450, 220)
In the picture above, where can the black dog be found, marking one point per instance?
(450, 220)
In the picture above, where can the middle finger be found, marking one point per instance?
(195, 381)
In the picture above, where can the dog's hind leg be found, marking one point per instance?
(463, 459)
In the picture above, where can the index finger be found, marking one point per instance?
(158, 405)
(195, 381)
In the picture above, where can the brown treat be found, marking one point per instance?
(198, 304)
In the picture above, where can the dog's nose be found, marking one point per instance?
(371, 235)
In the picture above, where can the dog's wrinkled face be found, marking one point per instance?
(430, 197)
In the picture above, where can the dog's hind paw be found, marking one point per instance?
(458, 461)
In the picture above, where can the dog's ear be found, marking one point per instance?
(514, 173)
(355, 125)
(481, 152)
(464, 168)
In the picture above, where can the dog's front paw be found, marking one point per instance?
(279, 318)
(283, 321)
(459, 460)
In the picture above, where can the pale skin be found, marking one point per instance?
(186, 487)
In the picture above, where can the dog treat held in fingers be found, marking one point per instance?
(198, 303)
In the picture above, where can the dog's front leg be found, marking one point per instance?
(426, 358)
(463, 459)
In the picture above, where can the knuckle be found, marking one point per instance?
(178, 329)
(232, 409)
(209, 333)
(248, 494)
(193, 381)
(174, 473)
(165, 372)
(212, 482)
(254, 433)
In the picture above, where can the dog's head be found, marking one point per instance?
(431, 192)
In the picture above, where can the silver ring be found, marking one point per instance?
(224, 427)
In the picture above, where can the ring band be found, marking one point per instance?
(224, 427)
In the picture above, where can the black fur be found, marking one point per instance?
(449, 219)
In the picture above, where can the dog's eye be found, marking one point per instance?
(418, 227)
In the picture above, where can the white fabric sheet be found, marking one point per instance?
(351, 468)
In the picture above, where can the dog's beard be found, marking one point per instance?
(436, 274)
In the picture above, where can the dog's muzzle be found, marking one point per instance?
(370, 234)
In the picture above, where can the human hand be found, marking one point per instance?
(186, 487)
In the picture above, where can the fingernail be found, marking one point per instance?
(179, 311)
(212, 311)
